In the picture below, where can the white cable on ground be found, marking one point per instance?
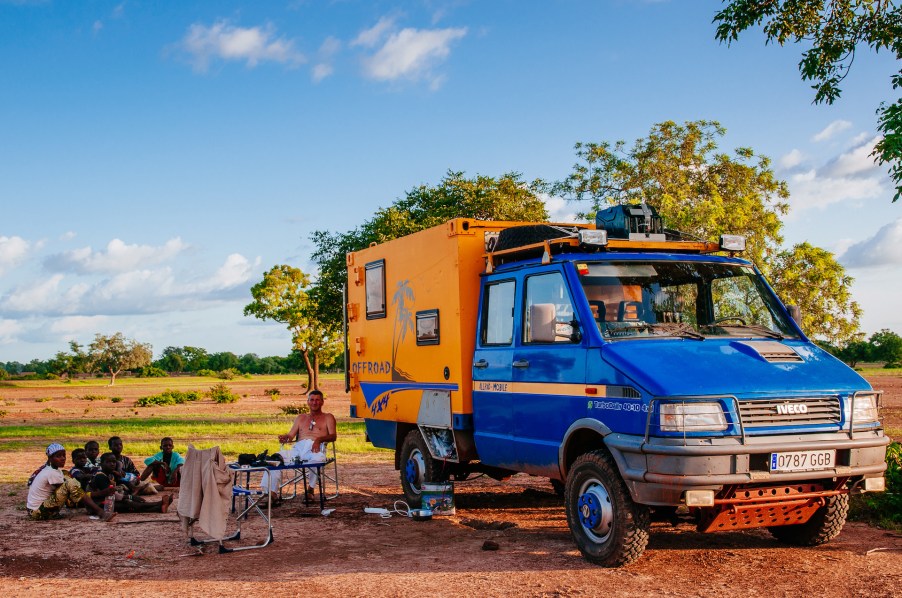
(400, 508)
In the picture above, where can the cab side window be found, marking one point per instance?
(548, 310)
(498, 313)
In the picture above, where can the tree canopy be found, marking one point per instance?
(833, 30)
(116, 353)
(507, 197)
(282, 296)
(697, 189)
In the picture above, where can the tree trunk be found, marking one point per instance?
(113, 376)
(316, 371)
(310, 374)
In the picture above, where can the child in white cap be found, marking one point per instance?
(53, 488)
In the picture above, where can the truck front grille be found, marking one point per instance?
(790, 412)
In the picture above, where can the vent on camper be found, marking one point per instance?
(773, 352)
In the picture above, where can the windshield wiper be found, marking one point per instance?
(680, 330)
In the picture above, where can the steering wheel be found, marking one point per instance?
(728, 318)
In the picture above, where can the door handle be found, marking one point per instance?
(521, 363)
(482, 363)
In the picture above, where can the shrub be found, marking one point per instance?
(49, 410)
(4, 375)
(116, 399)
(295, 409)
(884, 508)
(207, 373)
(9, 402)
(168, 397)
(149, 371)
(221, 393)
(3, 412)
(273, 393)
(93, 398)
(227, 374)
(43, 399)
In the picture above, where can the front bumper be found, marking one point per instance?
(658, 470)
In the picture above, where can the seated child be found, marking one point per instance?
(92, 451)
(127, 471)
(126, 502)
(164, 468)
(81, 471)
(53, 489)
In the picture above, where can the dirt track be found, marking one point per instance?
(352, 553)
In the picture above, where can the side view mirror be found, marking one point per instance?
(576, 335)
(795, 313)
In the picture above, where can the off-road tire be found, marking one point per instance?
(432, 469)
(824, 525)
(628, 534)
(518, 236)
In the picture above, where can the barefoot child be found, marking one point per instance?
(53, 489)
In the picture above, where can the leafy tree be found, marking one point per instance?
(507, 197)
(4, 375)
(282, 296)
(886, 346)
(172, 360)
(223, 361)
(833, 30)
(701, 191)
(116, 353)
(854, 353)
(811, 278)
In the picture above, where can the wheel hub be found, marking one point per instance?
(413, 470)
(595, 511)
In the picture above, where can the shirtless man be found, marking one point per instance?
(311, 430)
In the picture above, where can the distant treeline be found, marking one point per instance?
(176, 360)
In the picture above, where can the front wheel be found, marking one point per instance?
(824, 525)
(608, 527)
(417, 468)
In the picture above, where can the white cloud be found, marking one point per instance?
(559, 209)
(119, 11)
(411, 53)
(12, 251)
(9, 329)
(856, 162)
(850, 176)
(73, 326)
(837, 126)
(883, 249)
(251, 45)
(118, 257)
(138, 291)
(792, 159)
(368, 38)
(97, 26)
(327, 51)
(68, 236)
(321, 71)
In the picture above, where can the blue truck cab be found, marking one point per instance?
(650, 376)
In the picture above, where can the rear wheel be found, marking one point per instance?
(824, 525)
(417, 468)
(608, 527)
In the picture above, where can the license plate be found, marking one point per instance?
(802, 460)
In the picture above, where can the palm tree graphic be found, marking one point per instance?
(403, 322)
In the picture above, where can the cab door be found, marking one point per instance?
(493, 418)
(548, 371)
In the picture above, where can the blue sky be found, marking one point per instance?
(157, 158)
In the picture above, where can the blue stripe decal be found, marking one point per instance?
(374, 390)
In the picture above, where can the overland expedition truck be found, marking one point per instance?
(639, 371)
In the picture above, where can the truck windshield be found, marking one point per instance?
(681, 299)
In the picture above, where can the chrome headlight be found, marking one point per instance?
(692, 417)
(865, 405)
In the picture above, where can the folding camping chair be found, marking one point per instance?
(327, 475)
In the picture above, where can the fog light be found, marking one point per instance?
(699, 498)
(875, 484)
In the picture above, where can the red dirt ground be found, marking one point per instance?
(350, 553)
